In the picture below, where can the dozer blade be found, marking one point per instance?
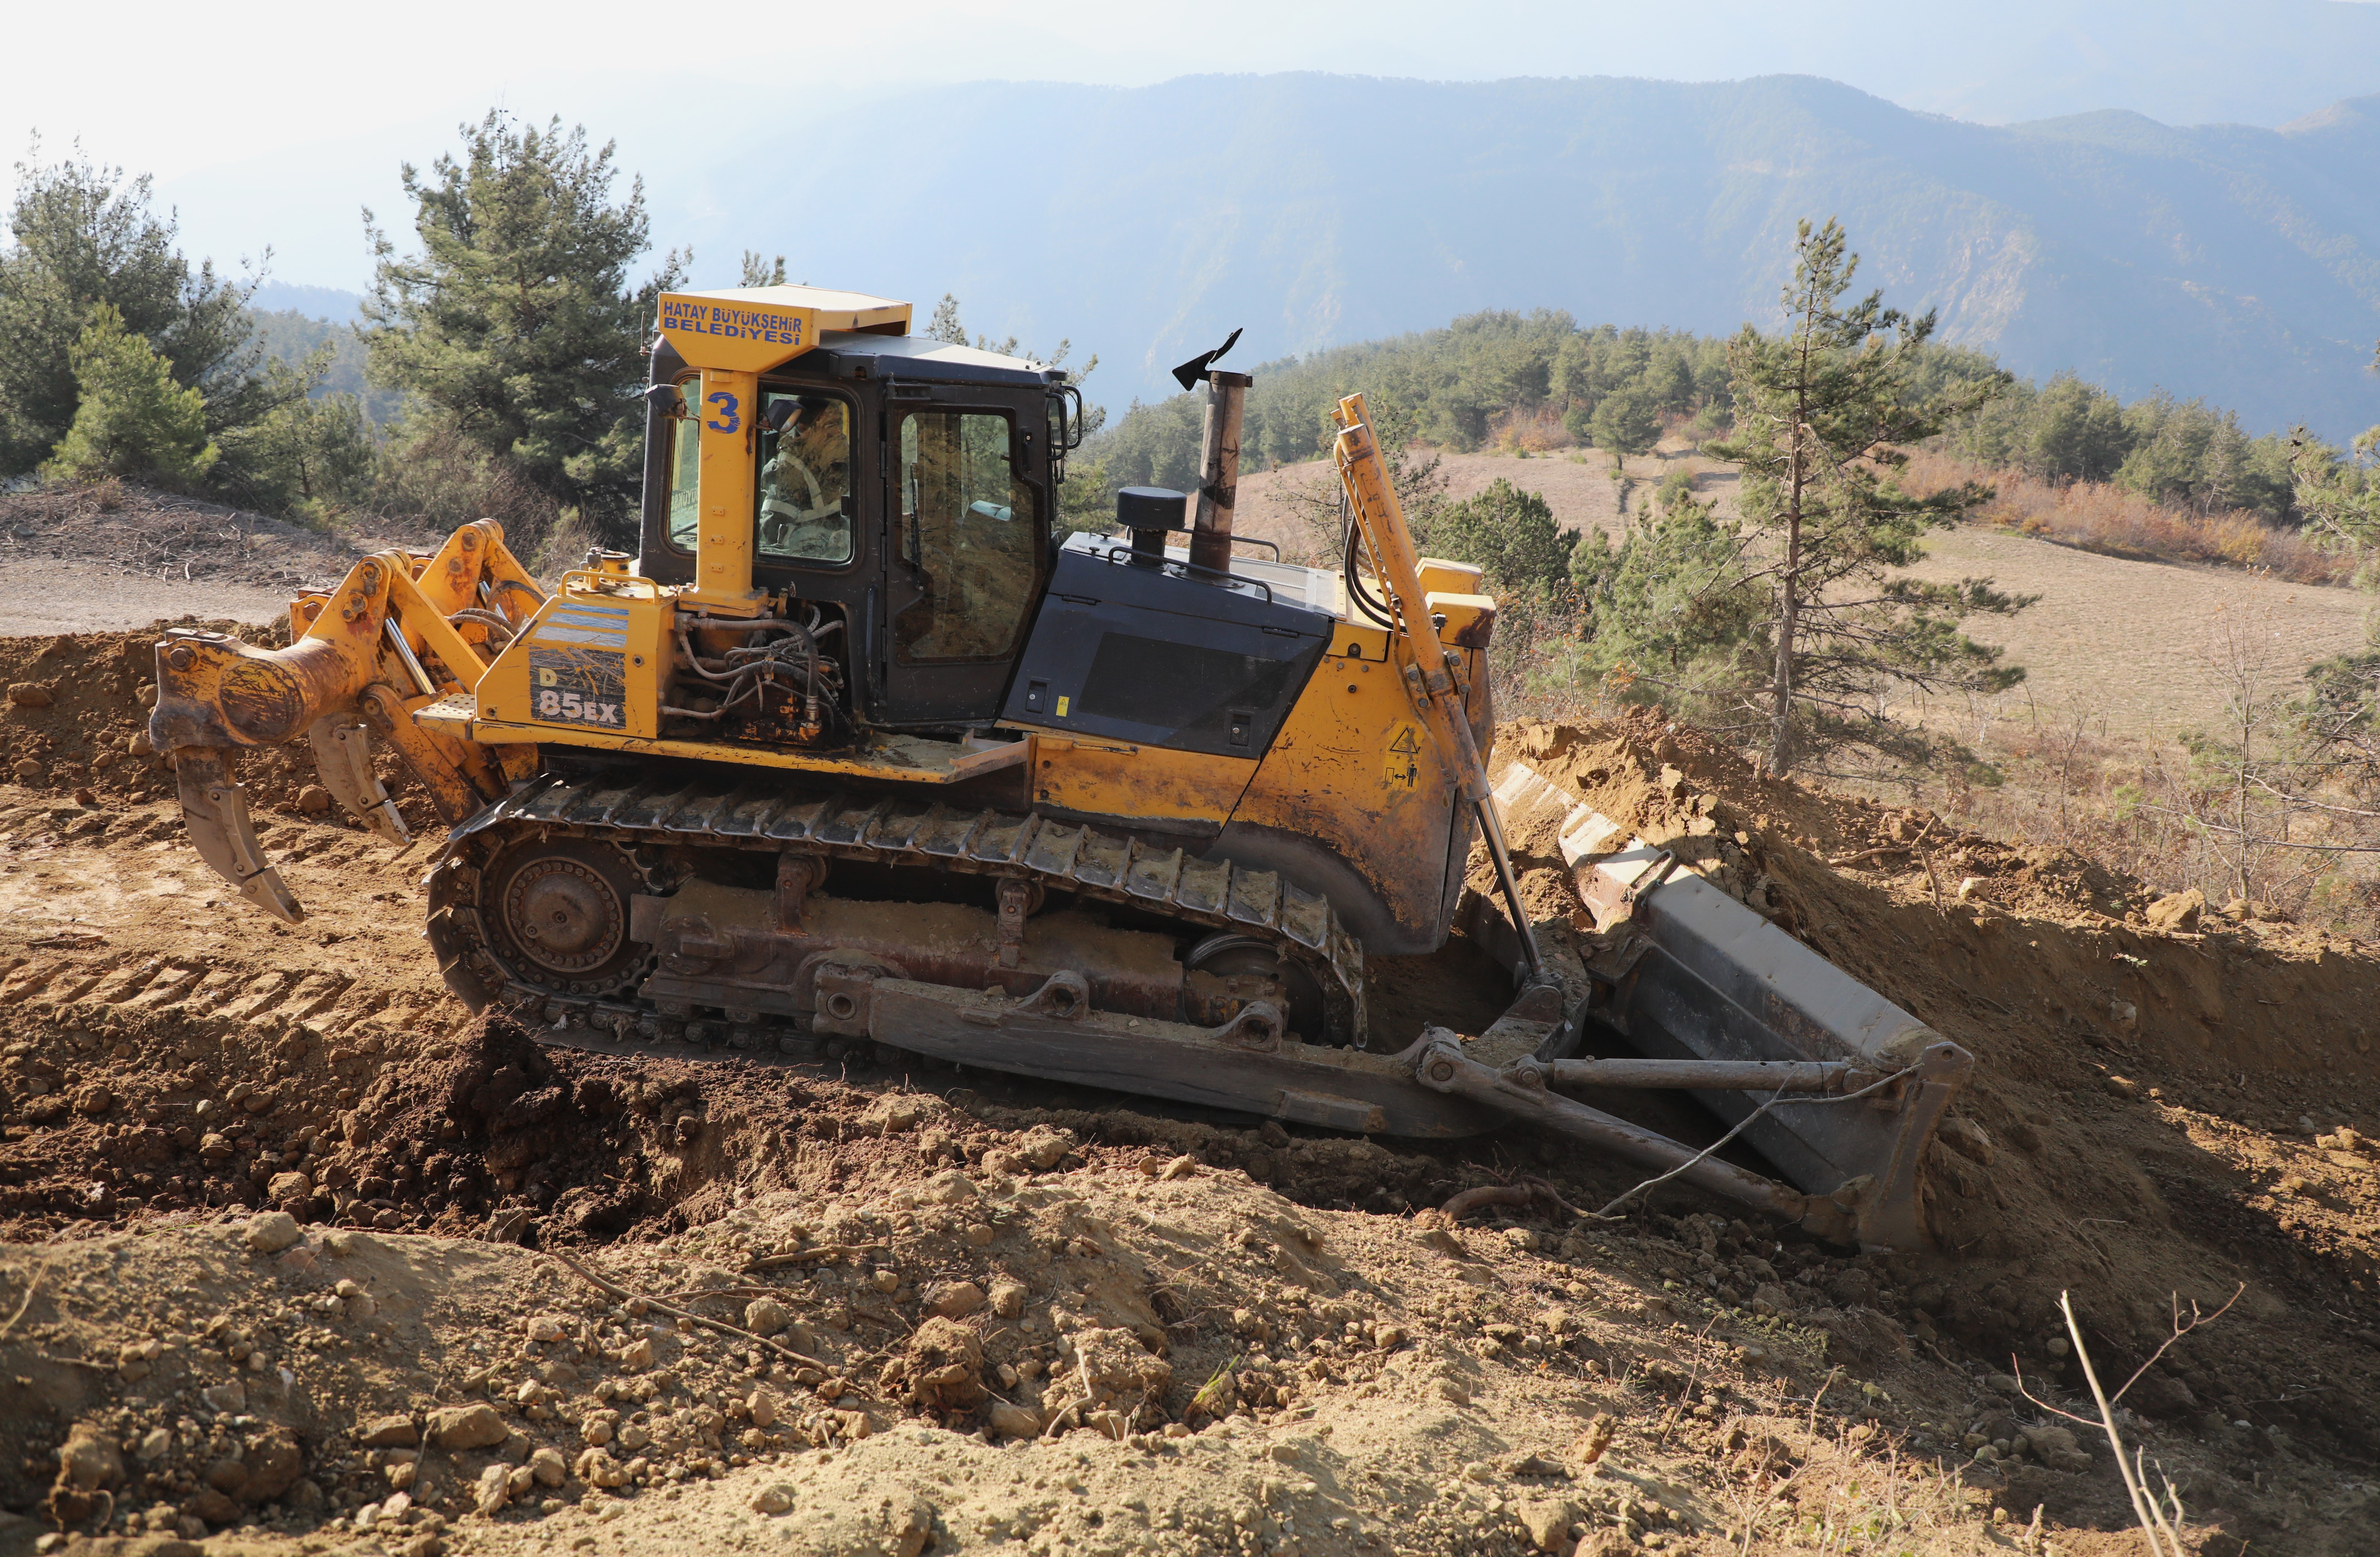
(1696, 975)
(214, 810)
(343, 756)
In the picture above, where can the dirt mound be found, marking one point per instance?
(143, 533)
(75, 715)
(398, 1128)
(2139, 1124)
(2150, 1113)
(74, 721)
(1087, 1354)
(600, 1148)
(1706, 803)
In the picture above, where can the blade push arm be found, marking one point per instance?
(1429, 663)
(362, 657)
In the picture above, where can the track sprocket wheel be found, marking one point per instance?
(1226, 954)
(556, 912)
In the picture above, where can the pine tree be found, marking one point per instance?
(312, 457)
(1508, 533)
(83, 236)
(944, 325)
(1820, 411)
(1086, 491)
(1319, 502)
(1626, 421)
(1669, 617)
(2338, 496)
(517, 321)
(760, 272)
(131, 419)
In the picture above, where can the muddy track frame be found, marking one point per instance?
(761, 818)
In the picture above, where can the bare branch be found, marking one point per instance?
(2180, 1330)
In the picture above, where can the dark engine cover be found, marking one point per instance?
(1163, 656)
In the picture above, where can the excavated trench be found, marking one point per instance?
(141, 1107)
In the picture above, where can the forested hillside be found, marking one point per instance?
(1540, 380)
(288, 336)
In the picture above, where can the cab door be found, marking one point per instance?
(967, 516)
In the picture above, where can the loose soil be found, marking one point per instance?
(979, 1315)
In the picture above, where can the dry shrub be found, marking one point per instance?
(2095, 517)
(1537, 431)
(434, 475)
(564, 545)
(2139, 807)
(1836, 1485)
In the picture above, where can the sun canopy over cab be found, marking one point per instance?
(836, 310)
(752, 329)
(935, 359)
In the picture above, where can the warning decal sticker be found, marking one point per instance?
(1402, 762)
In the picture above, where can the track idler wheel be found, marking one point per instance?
(558, 912)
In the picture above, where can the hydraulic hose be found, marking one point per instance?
(1375, 610)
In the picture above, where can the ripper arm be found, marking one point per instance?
(362, 657)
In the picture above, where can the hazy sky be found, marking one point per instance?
(250, 105)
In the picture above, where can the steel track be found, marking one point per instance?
(761, 816)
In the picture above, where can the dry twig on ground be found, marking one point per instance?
(605, 1285)
(2158, 1520)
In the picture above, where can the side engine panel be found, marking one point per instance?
(1133, 649)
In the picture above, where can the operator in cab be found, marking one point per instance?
(806, 478)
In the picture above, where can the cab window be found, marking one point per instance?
(803, 498)
(970, 527)
(806, 509)
(685, 462)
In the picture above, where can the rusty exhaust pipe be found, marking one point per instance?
(1219, 470)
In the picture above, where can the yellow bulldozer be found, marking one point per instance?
(859, 754)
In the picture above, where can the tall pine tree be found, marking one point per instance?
(83, 236)
(1821, 410)
(518, 322)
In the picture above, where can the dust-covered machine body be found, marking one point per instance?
(860, 749)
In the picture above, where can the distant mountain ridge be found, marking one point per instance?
(2224, 261)
(329, 303)
(2239, 264)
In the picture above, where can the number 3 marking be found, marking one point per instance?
(727, 421)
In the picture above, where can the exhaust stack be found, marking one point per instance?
(1219, 470)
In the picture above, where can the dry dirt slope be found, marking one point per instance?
(109, 557)
(1351, 1378)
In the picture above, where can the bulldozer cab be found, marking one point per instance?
(902, 484)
